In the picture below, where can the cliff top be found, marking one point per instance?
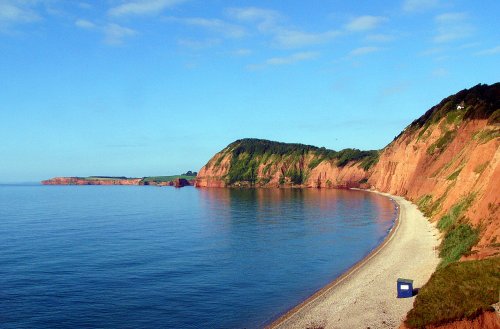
(479, 102)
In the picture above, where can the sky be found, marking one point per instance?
(156, 87)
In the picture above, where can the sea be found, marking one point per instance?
(161, 257)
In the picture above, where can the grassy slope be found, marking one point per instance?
(457, 290)
(461, 290)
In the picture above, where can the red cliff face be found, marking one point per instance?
(467, 167)
(449, 157)
(324, 175)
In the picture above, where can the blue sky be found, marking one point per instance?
(153, 87)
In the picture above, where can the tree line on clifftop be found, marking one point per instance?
(248, 154)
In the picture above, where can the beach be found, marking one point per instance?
(365, 296)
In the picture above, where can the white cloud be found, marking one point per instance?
(490, 51)
(84, 24)
(16, 12)
(364, 50)
(419, 5)
(114, 34)
(294, 39)
(286, 60)
(142, 7)
(265, 19)
(451, 27)
(364, 23)
(216, 25)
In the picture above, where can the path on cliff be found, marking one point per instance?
(367, 296)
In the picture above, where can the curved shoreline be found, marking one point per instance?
(368, 284)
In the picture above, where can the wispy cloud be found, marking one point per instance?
(142, 7)
(490, 51)
(115, 34)
(84, 24)
(419, 5)
(294, 39)
(286, 60)
(364, 23)
(451, 27)
(17, 12)
(265, 19)
(269, 22)
(364, 50)
(215, 25)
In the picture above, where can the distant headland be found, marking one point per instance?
(185, 179)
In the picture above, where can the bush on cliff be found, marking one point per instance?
(458, 241)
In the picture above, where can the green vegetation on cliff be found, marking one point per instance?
(460, 290)
(247, 155)
(479, 102)
(159, 179)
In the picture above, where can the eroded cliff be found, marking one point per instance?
(446, 161)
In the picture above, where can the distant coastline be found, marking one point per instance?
(175, 180)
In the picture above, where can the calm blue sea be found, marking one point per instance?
(150, 257)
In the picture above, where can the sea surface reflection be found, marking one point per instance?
(130, 256)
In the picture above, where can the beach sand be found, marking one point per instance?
(365, 297)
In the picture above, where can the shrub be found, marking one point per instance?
(454, 175)
(457, 241)
(455, 213)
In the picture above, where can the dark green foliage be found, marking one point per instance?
(454, 175)
(159, 179)
(243, 168)
(347, 155)
(458, 241)
(370, 160)
(459, 236)
(457, 291)
(363, 181)
(480, 102)
(106, 177)
(297, 176)
(249, 154)
(190, 173)
(258, 147)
